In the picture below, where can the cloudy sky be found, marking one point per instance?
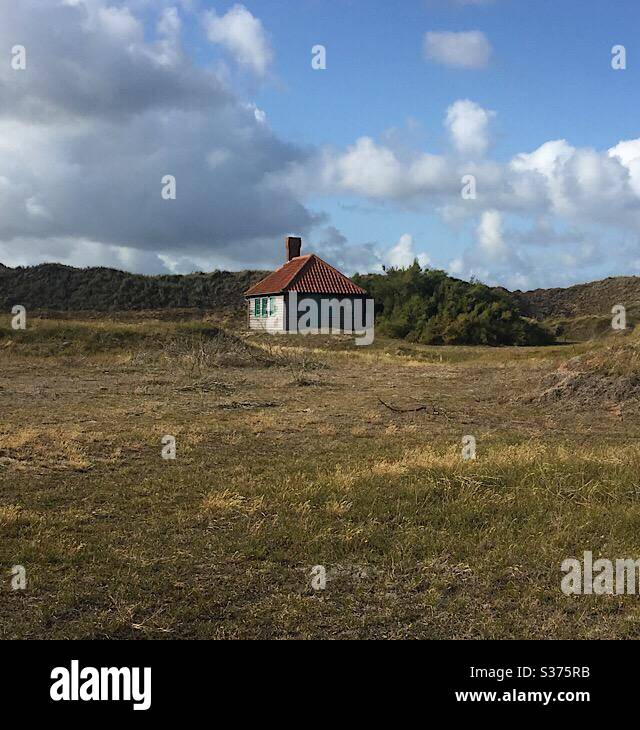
(491, 138)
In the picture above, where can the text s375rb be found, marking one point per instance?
(501, 673)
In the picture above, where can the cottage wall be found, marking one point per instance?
(272, 323)
(339, 319)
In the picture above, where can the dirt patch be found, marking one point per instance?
(605, 376)
(585, 387)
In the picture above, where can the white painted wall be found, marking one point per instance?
(278, 321)
(272, 323)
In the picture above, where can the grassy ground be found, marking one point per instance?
(287, 459)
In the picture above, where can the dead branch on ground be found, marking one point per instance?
(433, 410)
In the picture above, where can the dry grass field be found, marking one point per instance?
(287, 459)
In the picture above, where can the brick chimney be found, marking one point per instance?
(294, 244)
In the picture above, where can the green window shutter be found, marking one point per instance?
(264, 307)
(256, 307)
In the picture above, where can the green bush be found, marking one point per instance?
(429, 307)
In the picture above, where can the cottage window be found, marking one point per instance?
(264, 306)
(272, 306)
(256, 307)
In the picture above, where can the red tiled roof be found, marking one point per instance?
(305, 275)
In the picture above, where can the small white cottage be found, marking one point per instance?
(306, 294)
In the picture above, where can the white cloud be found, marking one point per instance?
(584, 184)
(169, 23)
(581, 204)
(103, 114)
(456, 266)
(465, 49)
(491, 259)
(120, 22)
(243, 35)
(490, 239)
(468, 126)
(545, 159)
(259, 114)
(169, 26)
(371, 170)
(81, 252)
(510, 256)
(403, 254)
(368, 169)
(352, 257)
(347, 256)
(581, 185)
(628, 153)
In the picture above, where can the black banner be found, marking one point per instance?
(142, 679)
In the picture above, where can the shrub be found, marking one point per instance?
(429, 307)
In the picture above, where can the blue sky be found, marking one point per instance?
(364, 158)
(550, 77)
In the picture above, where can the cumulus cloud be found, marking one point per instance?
(490, 237)
(110, 104)
(468, 126)
(243, 35)
(582, 204)
(403, 254)
(168, 27)
(628, 153)
(371, 256)
(351, 257)
(465, 49)
(371, 170)
(584, 184)
(545, 159)
(579, 184)
(492, 254)
(491, 259)
(102, 115)
(348, 257)
(509, 256)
